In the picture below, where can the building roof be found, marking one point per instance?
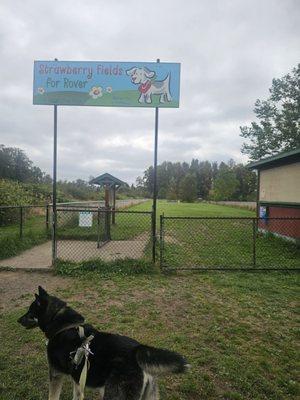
(287, 157)
(107, 179)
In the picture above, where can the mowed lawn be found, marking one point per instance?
(174, 209)
(219, 243)
(237, 330)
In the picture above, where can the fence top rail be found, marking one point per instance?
(25, 206)
(96, 209)
(234, 218)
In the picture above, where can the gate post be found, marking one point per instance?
(254, 221)
(161, 238)
(47, 218)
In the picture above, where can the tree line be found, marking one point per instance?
(204, 180)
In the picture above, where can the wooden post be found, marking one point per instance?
(113, 220)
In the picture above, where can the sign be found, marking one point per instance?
(107, 84)
(85, 219)
(263, 213)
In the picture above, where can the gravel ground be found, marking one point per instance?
(17, 287)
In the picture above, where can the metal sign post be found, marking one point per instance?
(155, 185)
(54, 216)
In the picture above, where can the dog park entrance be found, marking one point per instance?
(98, 233)
(105, 84)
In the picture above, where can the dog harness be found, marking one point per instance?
(77, 356)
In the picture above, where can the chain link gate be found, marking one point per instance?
(105, 234)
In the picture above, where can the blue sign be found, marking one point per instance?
(108, 84)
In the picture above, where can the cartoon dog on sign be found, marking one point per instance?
(147, 86)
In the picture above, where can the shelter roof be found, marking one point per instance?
(107, 179)
(287, 157)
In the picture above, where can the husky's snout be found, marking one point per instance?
(28, 321)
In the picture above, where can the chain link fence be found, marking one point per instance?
(22, 227)
(99, 233)
(229, 243)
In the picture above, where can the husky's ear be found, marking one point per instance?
(37, 299)
(42, 292)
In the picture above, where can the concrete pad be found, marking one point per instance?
(75, 250)
(39, 258)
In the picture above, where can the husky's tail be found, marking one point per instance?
(159, 361)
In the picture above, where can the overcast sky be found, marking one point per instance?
(229, 52)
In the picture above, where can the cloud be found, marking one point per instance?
(229, 52)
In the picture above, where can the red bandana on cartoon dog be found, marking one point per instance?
(144, 87)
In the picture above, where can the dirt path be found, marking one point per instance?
(17, 287)
(37, 257)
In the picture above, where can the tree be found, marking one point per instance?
(225, 184)
(15, 165)
(188, 188)
(278, 128)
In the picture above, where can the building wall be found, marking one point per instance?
(289, 228)
(280, 184)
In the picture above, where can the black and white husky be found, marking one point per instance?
(121, 367)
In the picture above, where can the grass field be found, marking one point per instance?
(172, 209)
(238, 331)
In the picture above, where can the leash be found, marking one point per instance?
(82, 352)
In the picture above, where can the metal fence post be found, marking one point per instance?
(254, 221)
(47, 217)
(21, 222)
(153, 236)
(161, 236)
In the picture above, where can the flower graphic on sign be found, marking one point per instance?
(96, 92)
(109, 89)
(41, 90)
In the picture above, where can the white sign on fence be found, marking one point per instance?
(85, 219)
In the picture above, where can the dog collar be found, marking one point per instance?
(144, 87)
(66, 328)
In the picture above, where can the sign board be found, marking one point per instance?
(263, 212)
(110, 84)
(85, 219)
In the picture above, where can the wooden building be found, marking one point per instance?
(278, 193)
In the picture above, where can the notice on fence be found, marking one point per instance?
(85, 219)
(110, 84)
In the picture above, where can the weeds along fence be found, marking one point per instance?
(98, 233)
(229, 243)
(22, 227)
(20, 220)
(248, 205)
